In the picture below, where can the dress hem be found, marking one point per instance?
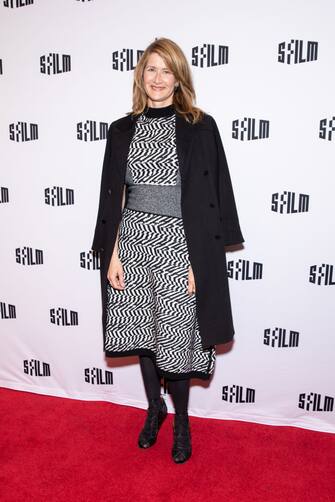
(162, 373)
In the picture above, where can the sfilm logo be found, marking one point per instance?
(63, 317)
(29, 256)
(322, 275)
(126, 59)
(327, 128)
(315, 402)
(34, 367)
(238, 394)
(90, 260)
(280, 338)
(17, 3)
(91, 130)
(244, 270)
(97, 376)
(209, 55)
(22, 131)
(290, 202)
(7, 311)
(58, 196)
(297, 51)
(4, 195)
(248, 129)
(53, 63)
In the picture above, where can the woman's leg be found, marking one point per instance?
(157, 409)
(151, 379)
(180, 390)
(182, 448)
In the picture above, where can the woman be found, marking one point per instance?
(166, 211)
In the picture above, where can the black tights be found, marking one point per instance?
(179, 388)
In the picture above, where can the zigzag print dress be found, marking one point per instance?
(154, 314)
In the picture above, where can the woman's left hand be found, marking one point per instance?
(191, 282)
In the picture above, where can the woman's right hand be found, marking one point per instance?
(115, 273)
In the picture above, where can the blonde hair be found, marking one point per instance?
(184, 96)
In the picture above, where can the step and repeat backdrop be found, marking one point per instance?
(265, 71)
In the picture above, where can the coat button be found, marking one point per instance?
(220, 218)
(109, 191)
(102, 249)
(217, 236)
(205, 172)
(211, 204)
(129, 190)
(103, 221)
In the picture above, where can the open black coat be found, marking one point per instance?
(208, 211)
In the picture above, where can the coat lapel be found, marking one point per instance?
(184, 139)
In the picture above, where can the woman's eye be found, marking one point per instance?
(152, 69)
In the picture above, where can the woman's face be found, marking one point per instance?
(158, 81)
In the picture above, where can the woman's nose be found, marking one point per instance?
(158, 77)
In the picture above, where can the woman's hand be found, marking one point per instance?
(115, 273)
(191, 282)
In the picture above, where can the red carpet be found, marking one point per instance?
(55, 449)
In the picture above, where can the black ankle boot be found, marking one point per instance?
(156, 414)
(182, 448)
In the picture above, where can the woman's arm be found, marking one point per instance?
(228, 210)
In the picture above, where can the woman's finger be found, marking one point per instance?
(191, 287)
(121, 278)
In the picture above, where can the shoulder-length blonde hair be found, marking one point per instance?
(184, 95)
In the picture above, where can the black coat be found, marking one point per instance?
(208, 211)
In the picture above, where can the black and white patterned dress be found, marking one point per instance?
(154, 315)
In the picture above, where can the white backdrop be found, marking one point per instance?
(276, 83)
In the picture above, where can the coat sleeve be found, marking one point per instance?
(97, 239)
(228, 210)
